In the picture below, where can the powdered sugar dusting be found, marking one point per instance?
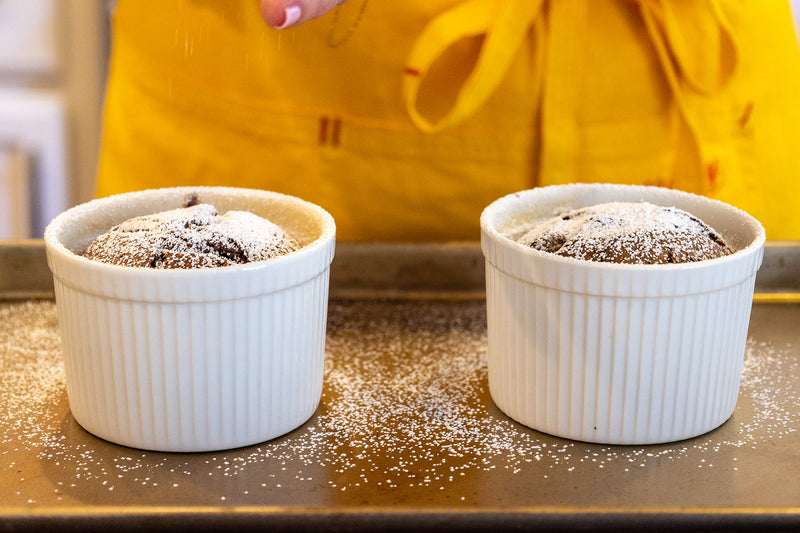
(405, 417)
(191, 237)
(627, 232)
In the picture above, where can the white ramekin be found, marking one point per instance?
(613, 353)
(192, 360)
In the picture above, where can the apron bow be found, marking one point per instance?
(504, 23)
(693, 40)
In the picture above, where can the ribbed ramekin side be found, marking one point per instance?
(614, 370)
(194, 376)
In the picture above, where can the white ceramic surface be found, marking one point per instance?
(192, 360)
(612, 353)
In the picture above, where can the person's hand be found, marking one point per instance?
(287, 13)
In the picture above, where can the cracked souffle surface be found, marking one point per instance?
(195, 236)
(628, 232)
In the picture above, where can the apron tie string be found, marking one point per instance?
(504, 23)
(693, 40)
(697, 49)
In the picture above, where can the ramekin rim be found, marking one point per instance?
(53, 243)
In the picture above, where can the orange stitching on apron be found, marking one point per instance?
(712, 171)
(748, 110)
(336, 132)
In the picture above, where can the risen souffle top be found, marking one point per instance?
(191, 237)
(628, 232)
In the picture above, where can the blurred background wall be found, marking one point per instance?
(52, 69)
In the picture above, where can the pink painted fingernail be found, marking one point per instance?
(291, 15)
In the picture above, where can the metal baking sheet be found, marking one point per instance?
(379, 270)
(406, 436)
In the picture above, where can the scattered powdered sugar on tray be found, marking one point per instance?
(32, 371)
(405, 408)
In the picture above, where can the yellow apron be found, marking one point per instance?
(405, 119)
